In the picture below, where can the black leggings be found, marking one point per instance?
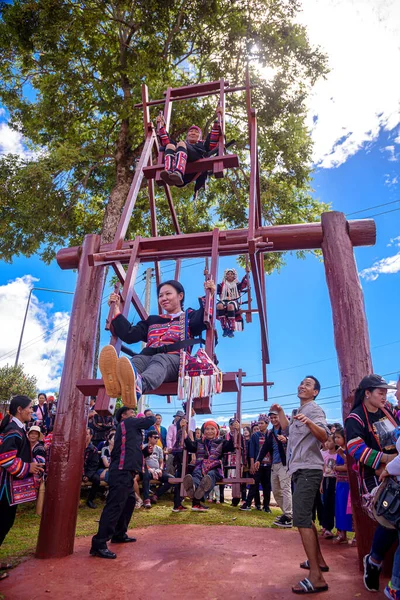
(7, 516)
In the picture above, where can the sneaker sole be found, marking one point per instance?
(175, 179)
(188, 486)
(199, 510)
(165, 176)
(127, 381)
(205, 486)
(108, 359)
(285, 525)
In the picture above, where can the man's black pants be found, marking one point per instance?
(263, 476)
(117, 513)
(7, 516)
(95, 481)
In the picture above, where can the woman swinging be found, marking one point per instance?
(228, 307)
(190, 150)
(159, 361)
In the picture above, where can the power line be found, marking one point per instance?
(357, 212)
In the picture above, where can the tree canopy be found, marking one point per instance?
(13, 381)
(70, 73)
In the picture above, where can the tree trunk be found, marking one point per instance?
(123, 180)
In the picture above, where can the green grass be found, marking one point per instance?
(21, 540)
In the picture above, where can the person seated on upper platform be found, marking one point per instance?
(208, 467)
(228, 306)
(192, 149)
(159, 360)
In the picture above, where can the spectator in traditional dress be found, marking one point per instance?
(16, 464)
(126, 461)
(90, 468)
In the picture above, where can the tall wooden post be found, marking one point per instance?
(57, 527)
(351, 339)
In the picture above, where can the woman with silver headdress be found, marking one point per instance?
(228, 306)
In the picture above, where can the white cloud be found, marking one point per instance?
(11, 141)
(391, 393)
(362, 92)
(394, 241)
(45, 334)
(392, 153)
(391, 181)
(385, 266)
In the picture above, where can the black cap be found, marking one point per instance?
(179, 413)
(375, 381)
(120, 412)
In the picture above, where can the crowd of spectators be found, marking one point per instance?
(300, 458)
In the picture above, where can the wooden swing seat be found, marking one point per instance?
(212, 163)
(91, 387)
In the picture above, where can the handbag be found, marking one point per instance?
(22, 490)
(386, 506)
(199, 376)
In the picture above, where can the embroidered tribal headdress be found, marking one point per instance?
(229, 288)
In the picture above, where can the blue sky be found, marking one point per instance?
(357, 161)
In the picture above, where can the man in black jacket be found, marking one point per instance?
(126, 461)
(275, 444)
(90, 468)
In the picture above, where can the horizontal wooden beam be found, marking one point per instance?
(230, 161)
(189, 96)
(256, 383)
(302, 236)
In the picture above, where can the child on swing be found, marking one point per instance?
(229, 292)
(208, 467)
(177, 155)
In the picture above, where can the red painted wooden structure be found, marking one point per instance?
(56, 536)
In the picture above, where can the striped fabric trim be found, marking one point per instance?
(11, 462)
(361, 453)
(357, 418)
(164, 137)
(123, 446)
(214, 135)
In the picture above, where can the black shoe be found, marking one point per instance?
(371, 575)
(283, 521)
(267, 509)
(102, 553)
(91, 504)
(124, 540)
(245, 507)
(258, 507)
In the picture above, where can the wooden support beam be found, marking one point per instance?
(256, 383)
(121, 274)
(209, 309)
(302, 236)
(218, 169)
(134, 190)
(63, 486)
(230, 90)
(238, 437)
(172, 209)
(351, 340)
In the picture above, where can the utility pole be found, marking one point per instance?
(147, 299)
(26, 314)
